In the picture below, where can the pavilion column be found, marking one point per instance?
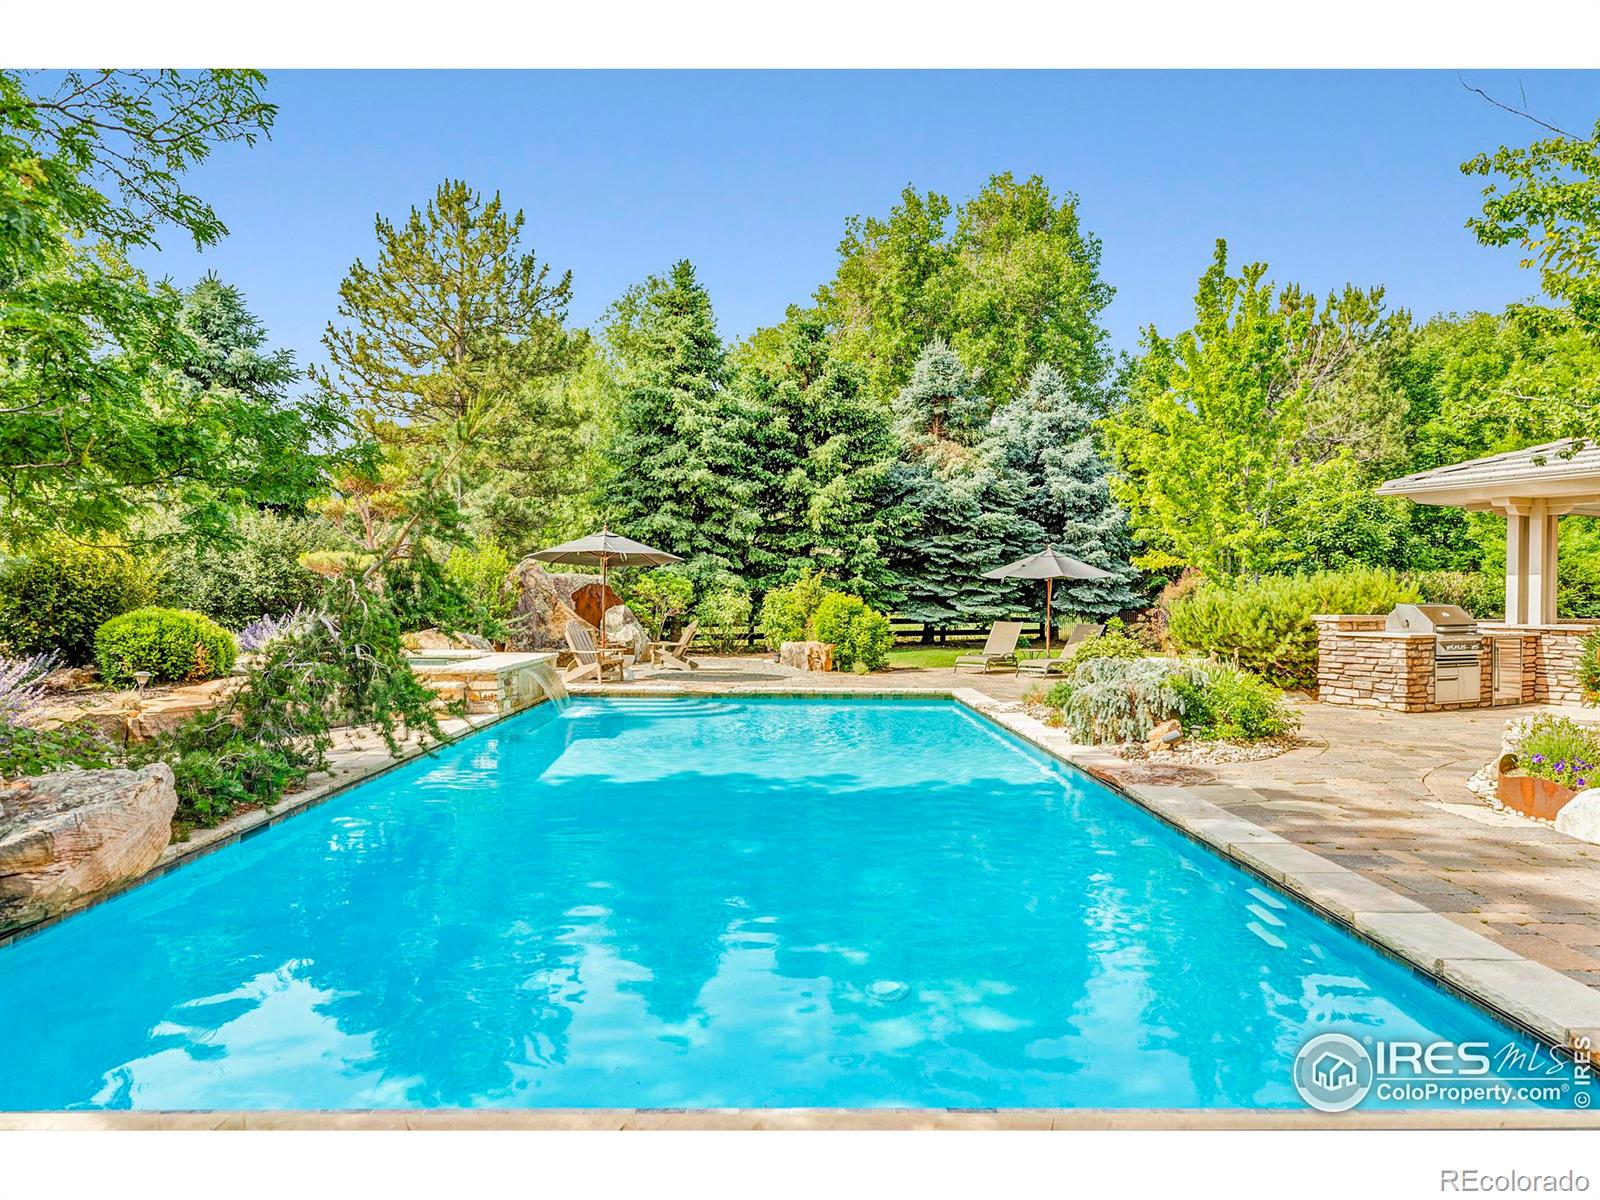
(1542, 565)
(1532, 530)
(1516, 567)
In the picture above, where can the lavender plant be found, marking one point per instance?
(22, 683)
(267, 628)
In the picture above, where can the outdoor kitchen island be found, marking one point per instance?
(1434, 657)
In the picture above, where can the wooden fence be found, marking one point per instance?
(911, 632)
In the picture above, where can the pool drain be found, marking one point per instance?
(887, 991)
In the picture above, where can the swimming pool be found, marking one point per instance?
(687, 902)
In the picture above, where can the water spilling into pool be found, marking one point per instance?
(551, 684)
(703, 902)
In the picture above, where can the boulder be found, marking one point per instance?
(153, 715)
(1161, 736)
(1580, 816)
(70, 679)
(623, 630)
(433, 639)
(807, 656)
(544, 607)
(69, 836)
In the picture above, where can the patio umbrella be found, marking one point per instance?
(601, 550)
(1049, 565)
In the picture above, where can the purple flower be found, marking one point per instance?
(1561, 765)
(1538, 758)
(1581, 782)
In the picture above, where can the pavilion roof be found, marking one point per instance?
(1567, 471)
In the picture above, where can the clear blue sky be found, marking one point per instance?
(1329, 177)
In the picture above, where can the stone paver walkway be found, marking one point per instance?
(1382, 793)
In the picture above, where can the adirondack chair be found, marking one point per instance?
(675, 655)
(592, 660)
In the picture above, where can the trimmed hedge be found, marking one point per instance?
(174, 645)
(1265, 625)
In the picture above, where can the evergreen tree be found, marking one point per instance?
(684, 454)
(223, 361)
(826, 450)
(449, 339)
(1041, 448)
(962, 516)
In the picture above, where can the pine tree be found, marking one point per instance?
(449, 338)
(683, 459)
(826, 450)
(962, 516)
(1041, 449)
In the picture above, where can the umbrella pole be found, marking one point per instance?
(604, 588)
(1047, 621)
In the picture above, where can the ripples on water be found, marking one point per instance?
(665, 902)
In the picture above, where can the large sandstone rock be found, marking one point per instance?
(624, 631)
(69, 836)
(544, 607)
(71, 679)
(153, 715)
(807, 656)
(1580, 816)
(433, 639)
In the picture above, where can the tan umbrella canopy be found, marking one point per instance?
(1049, 565)
(601, 550)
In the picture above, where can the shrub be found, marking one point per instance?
(656, 597)
(1115, 642)
(1265, 625)
(344, 666)
(860, 635)
(483, 575)
(1589, 667)
(787, 613)
(266, 629)
(258, 573)
(22, 683)
(174, 645)
(1479, 592)
(57, 597)
(28, 751)
(724, 615)
(1119, 700)
(1559, 749)
(1231, 705)
(1122, 700)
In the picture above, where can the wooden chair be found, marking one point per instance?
(675, 655)
(592, 660)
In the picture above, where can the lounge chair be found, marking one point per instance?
(592, 660)
(1043, 665)
(675, 655)
(999, 651)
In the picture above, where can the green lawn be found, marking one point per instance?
(931, 656)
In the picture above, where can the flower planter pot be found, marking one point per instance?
(1532, 796)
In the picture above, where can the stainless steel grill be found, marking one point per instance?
(1457, 648)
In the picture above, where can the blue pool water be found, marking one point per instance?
(703, 902)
